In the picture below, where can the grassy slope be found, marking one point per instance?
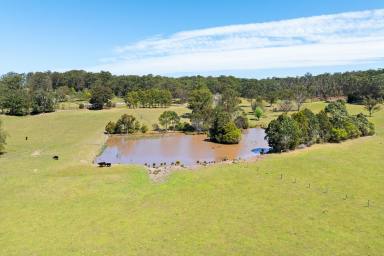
(69, 207)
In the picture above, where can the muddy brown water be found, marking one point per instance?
(188, 149)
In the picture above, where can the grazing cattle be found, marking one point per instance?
(104, 164)
(55, 157)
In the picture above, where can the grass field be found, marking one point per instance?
(307, 202)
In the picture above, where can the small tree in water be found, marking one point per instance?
(223, 129)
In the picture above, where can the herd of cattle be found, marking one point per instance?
(104, 164)
(100, 164)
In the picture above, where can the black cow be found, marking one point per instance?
(55, 157)
(104, 164)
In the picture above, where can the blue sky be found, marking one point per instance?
(192, 37)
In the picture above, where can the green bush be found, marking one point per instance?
(351, 128)
(366, 128)
(144, 128)
(258, 113)
(308, 125)
(231, 134)
(223, 129)
(325, 126)
(184, 127)
(371, 129)
(337, 108)
(283, 134)
(338, 135)
(110, 128)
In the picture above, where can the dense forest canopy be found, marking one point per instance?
(356, 85)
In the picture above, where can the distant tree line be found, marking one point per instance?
(333, 124)
(38, 92)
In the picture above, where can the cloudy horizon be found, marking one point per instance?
(338, 40)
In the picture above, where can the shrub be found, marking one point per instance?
(231, 134)
(144, 128)
(308, 125)
(259, 113)
(362, 124)
(351, 127)
(337, 108)
(283, 134)
(110, 128)
(81, 106)
(338, 135)
(325, 126)
(184, 127)
(371, 129)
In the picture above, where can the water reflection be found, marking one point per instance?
(179, 147)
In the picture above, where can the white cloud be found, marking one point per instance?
(327, 40)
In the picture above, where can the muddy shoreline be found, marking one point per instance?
(160, 173)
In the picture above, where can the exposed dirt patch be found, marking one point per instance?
(36, 153)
